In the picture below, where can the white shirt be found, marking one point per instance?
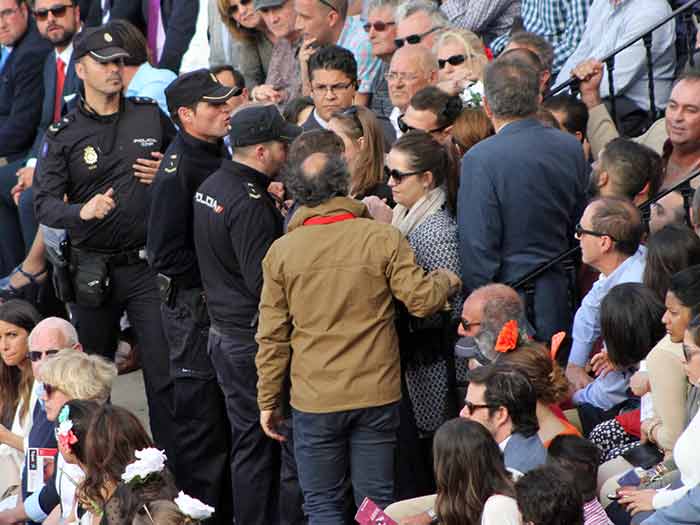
(501, 510)
(394, 119)
(197, 54)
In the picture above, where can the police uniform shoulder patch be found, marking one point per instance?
(56, 127)
(143, 100)
(252, 190)
(170, 163)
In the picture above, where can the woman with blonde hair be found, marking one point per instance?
(363, 138)
(461, 60)
(250, 34)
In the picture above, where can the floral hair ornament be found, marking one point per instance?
(149, 461)
(64, 433)
(557, 340)
(508, 337)
(192, 507)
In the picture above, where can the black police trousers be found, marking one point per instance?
(255, 458)
(133, 289)
(202, 433)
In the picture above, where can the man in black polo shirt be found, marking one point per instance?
(198, 103)
(235, 222)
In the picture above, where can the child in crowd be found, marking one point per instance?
(548, 496)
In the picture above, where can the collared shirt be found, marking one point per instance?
(381, 101)
(488, 18)
(503, 444)
(151, 82)
(606, 391)
(561, 22)
(610, 26)
(394, 118)
(586, 329)
(283, 69)
(65, 55)
(353, 38)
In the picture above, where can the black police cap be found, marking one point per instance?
(100, 43)
(257, 124)
(195, 86)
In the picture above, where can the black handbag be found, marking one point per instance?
(644, 456)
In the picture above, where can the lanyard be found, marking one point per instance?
(328, 220)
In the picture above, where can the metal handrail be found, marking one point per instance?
(536, 272)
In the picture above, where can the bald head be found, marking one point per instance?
(56, 332)
(412, 68)
(493, 304)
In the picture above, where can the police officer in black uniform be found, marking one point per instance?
(85, 183)
(197, 103)
(235, 222)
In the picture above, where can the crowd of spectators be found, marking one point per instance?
(366, 253)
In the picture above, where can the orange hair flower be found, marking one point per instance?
(557, 340)
(508, 337)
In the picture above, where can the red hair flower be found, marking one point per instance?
(508, 338)
(67, 439)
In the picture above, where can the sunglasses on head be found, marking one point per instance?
(454, 60)
(233, 10)
(378, 26)
(414, 39)
(399, 176)
(37, 355)
(58, 11)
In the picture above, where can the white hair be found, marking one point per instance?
(428, 7)
(67, 330)
(378, 4)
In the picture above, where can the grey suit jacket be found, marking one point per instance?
(524, 453)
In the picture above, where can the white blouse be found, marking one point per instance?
(500, 510)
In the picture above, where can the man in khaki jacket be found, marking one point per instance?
(328, 293)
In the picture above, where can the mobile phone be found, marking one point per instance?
(614, 497)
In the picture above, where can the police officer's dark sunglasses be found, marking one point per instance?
(58, 11)
(454, 60)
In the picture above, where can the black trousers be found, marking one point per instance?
(255, 458)
(202, 432)
(133, 290)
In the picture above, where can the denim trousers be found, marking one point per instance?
(325, 445)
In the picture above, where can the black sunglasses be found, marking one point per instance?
(399, 176)
(405, 128)
(58, 11)
(50, 389)
(467, 324)
(378, 26)
(414, 39)
(454, 60)
(580, 230)
(232, 10)
(37, 355)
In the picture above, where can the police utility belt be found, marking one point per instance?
(84, 276)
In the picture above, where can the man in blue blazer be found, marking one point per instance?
(56, 25)
(521, 194)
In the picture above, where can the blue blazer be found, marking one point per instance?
(21, 93)
(524, 453)
(521, 193)
(71, 87)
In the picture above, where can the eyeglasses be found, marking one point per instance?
(50, 389)
(7, 13)
(392, 76)
(405, 128)
(415, 39)
(467, 324)
(473, 407)
(37, 355)
(378, 26)
(333, 88)
(233, 10)
(454, 60)
(399, 176)
(58, 11)
(580, 230)
(329, 5)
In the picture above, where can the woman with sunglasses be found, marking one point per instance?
(251, 40)
(17, 320)
(363, 139)
(423, 176)
(461, 61)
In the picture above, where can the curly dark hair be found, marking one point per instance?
(311, 186)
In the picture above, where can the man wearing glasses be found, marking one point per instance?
(22, 55)
(610, 232)
(419, 22)
(49, 337)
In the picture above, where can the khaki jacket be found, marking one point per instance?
(601, 130)
(328, 294)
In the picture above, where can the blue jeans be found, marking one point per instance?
(326, 444)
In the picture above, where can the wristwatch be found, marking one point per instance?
(433, 516)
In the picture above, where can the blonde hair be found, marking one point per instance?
(474, 48)
(80, 376)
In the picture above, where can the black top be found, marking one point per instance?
(235, 222)
(85, 154)
(187, 164)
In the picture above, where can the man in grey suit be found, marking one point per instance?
(521, 193)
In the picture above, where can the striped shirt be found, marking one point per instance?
(594, 514)
(354, 39)
(561, 22)
(488, 18)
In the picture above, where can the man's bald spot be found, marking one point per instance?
(494, 291)
(54, 331)
(422, 56)
(314, 164)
